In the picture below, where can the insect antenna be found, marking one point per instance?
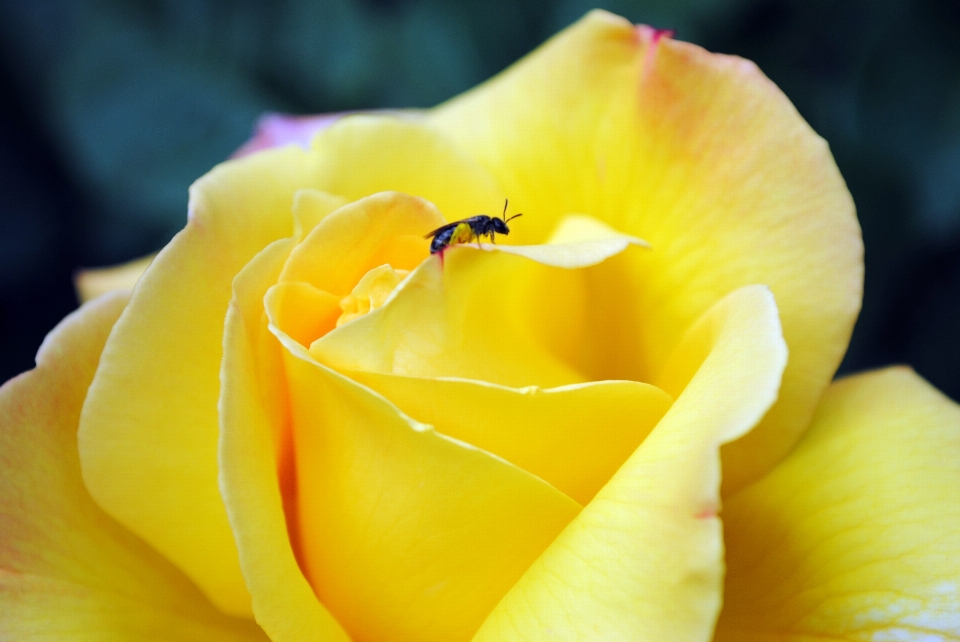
(504, 215)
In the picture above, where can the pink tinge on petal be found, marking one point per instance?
(274, 130)
(653, 35)
(646, 32)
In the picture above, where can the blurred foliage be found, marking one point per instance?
(111, 108)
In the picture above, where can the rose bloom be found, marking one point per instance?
(301, 425)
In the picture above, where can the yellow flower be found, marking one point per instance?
(301, 416)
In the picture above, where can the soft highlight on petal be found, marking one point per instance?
(68, 572)
(856, 535)
(703, 157)
(644, 560)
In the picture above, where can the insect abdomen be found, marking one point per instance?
(461, 233)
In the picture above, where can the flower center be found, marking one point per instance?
(370, 292)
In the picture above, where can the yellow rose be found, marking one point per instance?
(301, 417)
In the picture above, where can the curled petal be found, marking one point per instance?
(578, 242)
(384, 228)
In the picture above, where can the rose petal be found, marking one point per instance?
(302, 311)
(477, 315)
(574, 437)
(310, 206)
(463, 320)
(67, 570)
(255, 446)
(274, 130)
(364, 154)
(150, 418)
(578, 242)
(644, 560)
(856, 535)
(92, 283)
(151, 415)
(256, 461)
(702, 156)
(406, 534)
(383, 228)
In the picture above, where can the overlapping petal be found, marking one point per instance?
(644, 560)
(349, 517)
(67, 570)
(574, 437)
(257, 474)
(322, 457)
(148, 431)
(151, 415)
(856, 535)
(383, 228)
(703, 157)
(406, 533)
(478, 314)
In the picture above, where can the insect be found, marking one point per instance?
(468, 229)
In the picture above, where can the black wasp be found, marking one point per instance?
(468, 229)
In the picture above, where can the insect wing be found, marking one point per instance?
(472, 221)
(442, 228)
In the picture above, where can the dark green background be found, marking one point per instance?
(111, 109)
